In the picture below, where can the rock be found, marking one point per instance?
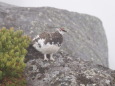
(4, 5)
(65, 71)
(85, 38)
(83, 57)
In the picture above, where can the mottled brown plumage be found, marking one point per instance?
(49, 43)
(52, 38)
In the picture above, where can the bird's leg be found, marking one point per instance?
(45, 57)
(51, 57)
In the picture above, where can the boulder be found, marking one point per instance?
(85, 39)
(83, 57)
(65, 71)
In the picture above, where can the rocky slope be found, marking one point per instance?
(65, 71)
(85, 38)
(83, 57)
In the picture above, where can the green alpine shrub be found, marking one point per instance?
(12, 52)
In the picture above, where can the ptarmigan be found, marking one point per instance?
(49, 43)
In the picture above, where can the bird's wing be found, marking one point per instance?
(43, 35)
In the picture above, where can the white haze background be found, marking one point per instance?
(103, 9)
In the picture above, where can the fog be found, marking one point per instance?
(103, 9)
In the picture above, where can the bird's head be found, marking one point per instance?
(61, 30)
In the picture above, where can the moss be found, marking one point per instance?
(12, 53)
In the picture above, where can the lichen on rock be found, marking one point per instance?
(65, 71)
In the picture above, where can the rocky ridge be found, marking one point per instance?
(85, 39)
(83, 57)
(65, 71)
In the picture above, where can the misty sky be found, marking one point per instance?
(103, 9)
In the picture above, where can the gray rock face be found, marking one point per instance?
(85, 38)
(65, 71)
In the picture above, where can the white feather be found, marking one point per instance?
(46, 48)
(49, 48)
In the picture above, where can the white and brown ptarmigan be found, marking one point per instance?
(49, 43)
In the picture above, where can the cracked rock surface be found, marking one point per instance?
(65, 71)
(83, 57)
(85, 38)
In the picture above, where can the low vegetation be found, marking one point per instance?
(12, 53)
